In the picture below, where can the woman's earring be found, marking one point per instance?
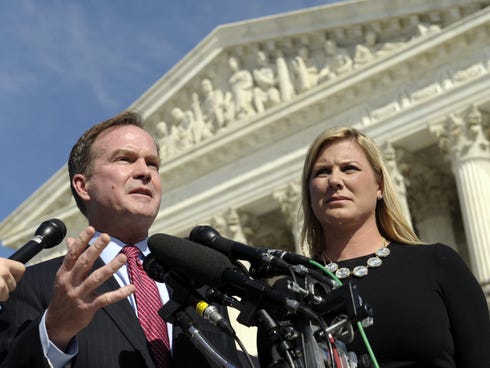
(380, 196)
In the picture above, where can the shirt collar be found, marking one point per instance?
(115, 245)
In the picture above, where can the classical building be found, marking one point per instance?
(235, 117)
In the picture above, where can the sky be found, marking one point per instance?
(66, 65)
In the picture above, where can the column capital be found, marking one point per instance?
(430, 192)
(463, 137)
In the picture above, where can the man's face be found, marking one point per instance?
(124, 187)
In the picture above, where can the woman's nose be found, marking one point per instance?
(335, 182)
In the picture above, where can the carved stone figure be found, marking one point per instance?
(212, 105)
(183, 122)
(196, 106)
(424, 29)
(200, 130)
(241, 83)
(286, 88)
(337, 62)
(365, 53)
(167, 144)
(304, 69)
(372, 48)
(235, 230)
(265, 93)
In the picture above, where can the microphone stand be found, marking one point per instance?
(274, 332)
(200, 341)
(173, 312)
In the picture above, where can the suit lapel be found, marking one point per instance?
(125, 319)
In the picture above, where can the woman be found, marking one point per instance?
(429, 310)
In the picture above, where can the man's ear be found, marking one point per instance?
(79, 183)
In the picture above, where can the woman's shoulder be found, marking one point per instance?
(423, 248)
(433, 251)
(438, 254)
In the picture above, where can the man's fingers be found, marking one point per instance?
(87, 258)
(11, 268)
(7, 285)
(102, 274)
(99, 276)
(76, 246)
(113, 296)
(11, 283)
(17, 270)
(10, 273)
(4, 293)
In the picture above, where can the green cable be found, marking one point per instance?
(327, 271)
(359, 324)
(368, 345)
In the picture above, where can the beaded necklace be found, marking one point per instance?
(358, 271)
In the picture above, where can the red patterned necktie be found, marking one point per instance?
(148, 303)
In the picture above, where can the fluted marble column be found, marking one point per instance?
(289, 202)
(463, 140)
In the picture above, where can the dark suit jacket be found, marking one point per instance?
(114, 338)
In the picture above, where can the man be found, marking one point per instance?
(90, 317)
(10, 274)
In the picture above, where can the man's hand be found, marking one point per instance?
(75, 300)
(10, 274)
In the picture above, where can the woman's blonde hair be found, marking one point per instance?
(390, 218)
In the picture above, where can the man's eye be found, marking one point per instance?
(155, 165)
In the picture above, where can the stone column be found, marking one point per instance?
(398, 179)
(229, 225)
(464, 143)
(432, 203)
(289, 202)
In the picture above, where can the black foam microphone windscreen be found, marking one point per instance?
(189, 259)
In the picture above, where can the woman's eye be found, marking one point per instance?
(322, 171)
(350, 168)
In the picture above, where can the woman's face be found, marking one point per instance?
(343, 186)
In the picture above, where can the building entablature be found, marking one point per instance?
(398, 84)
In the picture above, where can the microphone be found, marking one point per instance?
(215, 269)
(297, 262)
(209, 237)
(291, 258)
(193, 260)
(184, 293)
(215, 295)
(48, 234)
